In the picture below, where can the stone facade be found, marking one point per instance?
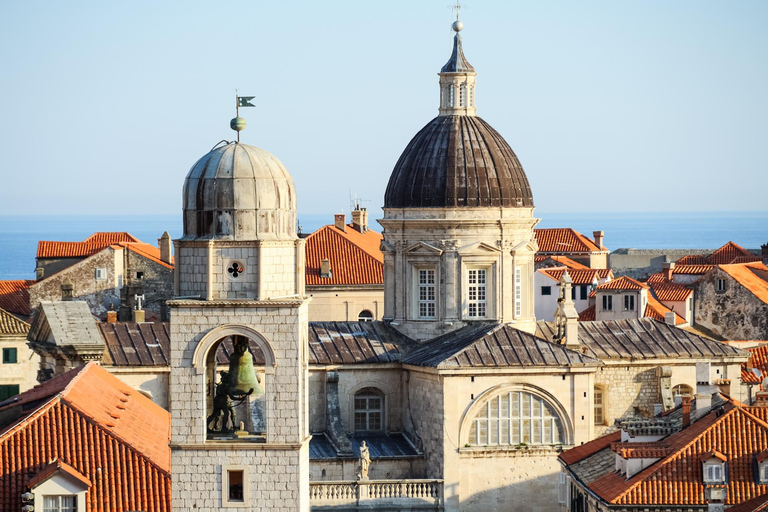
(734, 313)
(23, 371)
(345, 304)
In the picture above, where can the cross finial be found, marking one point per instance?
(457, 7)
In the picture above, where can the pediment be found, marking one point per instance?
(423, 248)
(527, 246)
(385, 246)
(478, 248)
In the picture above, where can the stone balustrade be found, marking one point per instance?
(377, 494)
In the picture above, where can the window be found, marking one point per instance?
(713, 472)
(599, 407)
(365, 316)
(764, 474)
(9, 356)
(513, 418)
(476, 293)
(518, 292)
(235, 269)
(235, 485)
(721, 285)
(139, 275)
(584, 293)
(607, 302)
(450, 96)
(100, 274)
(682, 389)
(573, 293)
(462, 94)
(368, 411)
(8, 390)
(546, 290)
(472, 96)
(563, 488)
(427, 293)
(59, 503)
(629, 303)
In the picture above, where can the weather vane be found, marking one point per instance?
(238, 123)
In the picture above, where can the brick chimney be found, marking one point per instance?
(111, 314)
(686, 411)
(67, 290)
(668, 267)
(360, 219)
(164, 243)
(599, 235)
(340, 221)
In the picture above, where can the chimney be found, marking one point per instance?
(658, 409)
(39, 273)
(325, 268)
(138, 316)
(340, 221)
(164, 243)
(111, 314)
(67, 290)
(703, 401)
(599, 235)
(686, 411)
(360, 219)
(764, 253)
(668, 267)
(669, 318)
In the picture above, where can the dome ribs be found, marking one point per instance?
(458, 161)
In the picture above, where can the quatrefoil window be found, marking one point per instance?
(235, 269)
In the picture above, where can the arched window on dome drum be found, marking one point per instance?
(513, 418)
(462, 94)
(450, 96)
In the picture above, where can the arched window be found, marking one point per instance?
(599, 406)
(462, 94)
(682, 389)
(365, 316)
(369, 411)
(516, 417)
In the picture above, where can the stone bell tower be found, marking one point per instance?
(239, 283)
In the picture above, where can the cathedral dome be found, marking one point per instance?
(458, 161)
(239, 192)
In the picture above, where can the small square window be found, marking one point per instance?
(139, 275)
(721, 285)
(713, 473)
(9, 356)
(546, 290)
(100, 274)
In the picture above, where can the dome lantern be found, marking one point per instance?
(457, 81)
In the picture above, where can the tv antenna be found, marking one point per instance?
(354, 201)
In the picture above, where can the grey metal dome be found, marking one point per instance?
(458, 161)
(239, 192)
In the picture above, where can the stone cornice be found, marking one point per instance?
(240, 303)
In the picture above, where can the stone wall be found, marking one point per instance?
(23, 372)
(344, 305)
(157, 283)
(425, 418)
(98, 293)
(380, 469)
(151, 382)
(734, 314)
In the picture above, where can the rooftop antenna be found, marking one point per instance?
(238, 123)
(354, 201)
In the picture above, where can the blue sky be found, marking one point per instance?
(612, 105)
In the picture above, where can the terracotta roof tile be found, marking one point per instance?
(55, 466)
(692, 259)
(667, 291)
(588, 315)
(148, 251)
(622, 283)
(756, 504)
(657, 311)
(692, 269)
(579, 276)
(14, 296)
(647, 450)
(585, 450)
(91, 245)
(750, 276)
(758, 359)
(728, 253)
(68, 419)
(564, 240)
(562, 260)
(355, 257)
(9, 324)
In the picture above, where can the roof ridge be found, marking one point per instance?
(8, 429)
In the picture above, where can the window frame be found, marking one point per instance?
(10, 353)
(599, 392)
(427, 286)
(546, 290)
(226, 502)
(583, 293)
(476, 281)
(607, 301)
(368, 394)
(715, 467)
(100, 274)
(721, 285)
(59, 507)
(629, 302)
(362, 317)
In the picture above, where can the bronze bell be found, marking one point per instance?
(242, 378)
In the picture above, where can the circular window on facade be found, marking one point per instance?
(235, 269)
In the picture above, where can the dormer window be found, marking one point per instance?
(762, 467)
(714, 467)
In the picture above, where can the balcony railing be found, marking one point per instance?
(378, 494)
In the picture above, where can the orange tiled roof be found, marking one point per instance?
(657, 311)
(622, 283)
(148, 251)
(55, 466)
(748, 275)
(758, 358)
(9, 324)
(89, 419)
(692, 259)
(677, 478)
(647, 450)
(355, 257)
(91, 245)
(670, 292)
(588, 315)
(728, 253)
(14, 296)
(579, 453)
(564, 240)
(563, 260)
(692, 269)
(579, 276)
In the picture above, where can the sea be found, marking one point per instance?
(19, 234)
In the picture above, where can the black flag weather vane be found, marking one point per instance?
(238, 123)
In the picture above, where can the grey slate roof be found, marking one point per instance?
(380, 445)
(494, 345)
(355, 342)
(65, 323)
(458, 63)
(642, 338)
(132, 344)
